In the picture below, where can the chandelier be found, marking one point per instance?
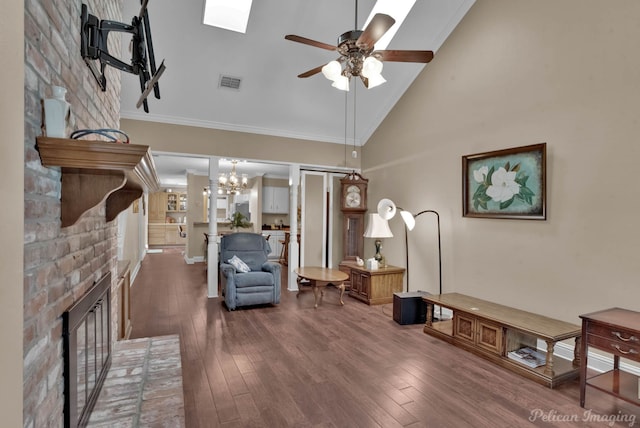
(231, 183)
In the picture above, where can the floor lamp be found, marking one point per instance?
(387, 210)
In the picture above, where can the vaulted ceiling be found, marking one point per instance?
(271, 100)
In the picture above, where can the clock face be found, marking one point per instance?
(353, 199)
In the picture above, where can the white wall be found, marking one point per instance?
(519, 72)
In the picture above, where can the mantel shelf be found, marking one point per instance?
(95, 171)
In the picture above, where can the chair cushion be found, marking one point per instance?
(237, 263)
(252, 279)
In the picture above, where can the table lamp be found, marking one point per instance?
(378, 228)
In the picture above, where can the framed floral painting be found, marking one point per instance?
(508, 183)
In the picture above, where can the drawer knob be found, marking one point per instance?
(624, 339)
(629, 352)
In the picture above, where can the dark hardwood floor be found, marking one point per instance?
(336, 366)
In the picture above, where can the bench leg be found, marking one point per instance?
(548, 368)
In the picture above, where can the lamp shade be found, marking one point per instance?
(376, 80)
(341, 82)
(371, 67)
(409, 219)
(377, 227)
(332, 70)
(386, 209)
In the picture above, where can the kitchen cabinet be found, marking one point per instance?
(275, 200)
(176, 202)
(166, 234)
(156, 234)
(157, 207)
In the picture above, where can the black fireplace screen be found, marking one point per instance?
(86, 333)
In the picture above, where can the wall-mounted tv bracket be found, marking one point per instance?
(93, 46)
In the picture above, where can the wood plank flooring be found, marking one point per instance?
(336, 366)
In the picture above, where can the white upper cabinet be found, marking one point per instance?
(275, 200)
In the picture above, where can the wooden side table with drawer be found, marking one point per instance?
(616, 331)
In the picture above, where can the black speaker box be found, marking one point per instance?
(409, 308)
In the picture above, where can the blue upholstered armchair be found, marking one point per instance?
(261, 284)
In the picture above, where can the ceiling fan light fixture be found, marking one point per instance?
(332, 70)
(371, 67)
(342, 83)
(376, 80)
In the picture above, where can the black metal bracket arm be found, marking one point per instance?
(94, 35)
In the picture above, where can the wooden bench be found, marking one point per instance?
(494, 331)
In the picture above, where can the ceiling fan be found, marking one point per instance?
(357, 54)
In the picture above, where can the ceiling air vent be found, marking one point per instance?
(229, 82)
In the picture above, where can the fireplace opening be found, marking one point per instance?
(86, 330)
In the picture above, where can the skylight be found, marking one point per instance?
(228, 14)
(398, 10)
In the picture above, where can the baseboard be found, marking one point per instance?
(193, 260)
(598, 362)
(134, 273)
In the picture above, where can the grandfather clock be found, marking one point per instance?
(353, 204)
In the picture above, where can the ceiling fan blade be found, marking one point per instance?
(310, 42)
(378, 25)
(311, 72)
(404, 56)
(365, 81)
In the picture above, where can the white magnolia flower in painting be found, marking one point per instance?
(503, 186)
(480, 174)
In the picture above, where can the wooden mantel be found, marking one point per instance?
(95, 171)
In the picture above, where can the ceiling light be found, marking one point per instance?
(228, 14)
(371, 66)
(376, 80)
(231, 184)
(357, 64)
(332, 70)
(341, 82)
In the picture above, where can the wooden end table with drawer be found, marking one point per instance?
(615, 331)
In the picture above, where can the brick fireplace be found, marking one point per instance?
(87, 351)
(60, 264)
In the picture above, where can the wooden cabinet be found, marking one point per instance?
(176, 202)
(157, 207)
(374, 286)
(172, 234)
(494, 331)
(275, 200)
(156, 234)
(479, 332)
(166, 234)
(617, 332)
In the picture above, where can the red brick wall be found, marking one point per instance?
(60, 264)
